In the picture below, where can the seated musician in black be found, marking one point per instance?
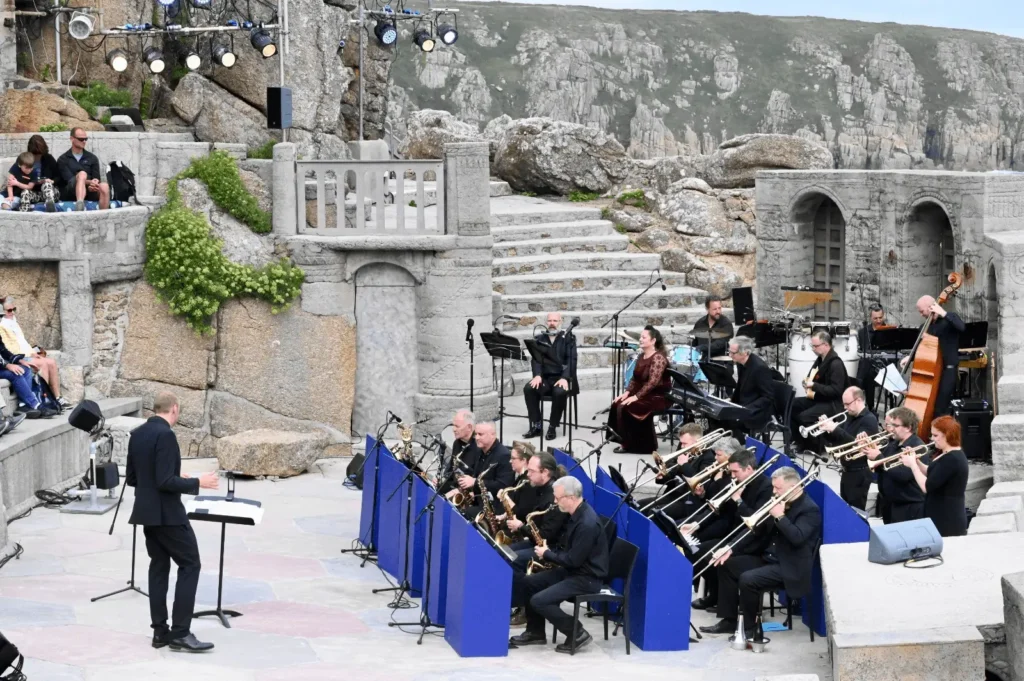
(856, 479)
(793, 530)
(465, 453)
(947, 327)
(550, 378)
(752, 497)
(868, 367)
(824, 385)
(713, 323)
(753, 387)
(494, 466)
(580, 566)
(708, 527)
(673, 499)
(899, 496)
(542, 471)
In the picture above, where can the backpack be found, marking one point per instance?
(41, 389)
(122, 182)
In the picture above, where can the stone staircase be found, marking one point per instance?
(563, 256)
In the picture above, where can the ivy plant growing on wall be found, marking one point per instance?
(184, 262)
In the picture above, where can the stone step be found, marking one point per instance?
(560, 246)
(575, 262)
(577, 281)
(507, 212)
(654, 301)
(591, 320)
(554, 230)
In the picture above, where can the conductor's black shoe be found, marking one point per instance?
(160, 639)
(528, 638)
(704, 603)
(534, 430)
(551, 434)
(581, 640)
(189, 644)
(723, 627)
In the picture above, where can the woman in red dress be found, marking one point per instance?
(632, 414)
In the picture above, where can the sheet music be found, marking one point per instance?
(226, 509)
(890, 379)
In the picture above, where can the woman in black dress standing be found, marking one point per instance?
(944, 480)
(632, 413)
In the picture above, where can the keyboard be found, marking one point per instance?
(707, 405)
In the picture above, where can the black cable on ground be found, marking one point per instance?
(52, 499)
(18, 551)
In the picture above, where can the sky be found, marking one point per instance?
(996, 16)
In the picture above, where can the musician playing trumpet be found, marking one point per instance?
(793, 532)
(824, 387)
(899, 496)
(856, 478)
(944, 481)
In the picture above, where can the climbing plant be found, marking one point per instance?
(184, 262)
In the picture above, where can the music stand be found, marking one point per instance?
(718, 375)
(975, 335)
(501, 347)
(894, 340)
(665, 523)
(616, 475)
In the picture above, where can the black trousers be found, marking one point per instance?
(743, 580)
(542, 594)
(899, 513)
(805, 413)
(524, 554)
(947, 386)
(854, 486)
(164, 544)
(558, 397)
(710, 576)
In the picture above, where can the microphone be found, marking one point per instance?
(393, 417)
(574, 323)
(469, 329)
(663, 287)
(649, 467)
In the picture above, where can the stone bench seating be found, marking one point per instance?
(46, 454)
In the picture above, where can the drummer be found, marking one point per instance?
(712, 332)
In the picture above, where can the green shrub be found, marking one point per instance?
(412, 204)
(53, 127)
(263, 151)
(581, 197)
(606, 213)
(45, 75)
(184, 262)
(220, 174)
(635, 198)
(145, 99)
(99, 94)
(621, 229)
(528, 193)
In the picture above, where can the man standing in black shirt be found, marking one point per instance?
(712, 332)
(856, 479)
(824, 385)
(947, 327)
(552, 378)
(899, 496)
(581, 567)
(80, 174)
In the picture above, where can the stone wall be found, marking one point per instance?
(34, 288)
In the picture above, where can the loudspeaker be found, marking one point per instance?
(106, 475)
(86, 415)
(279, 108)
(8, 654)
(354, 472)
(743, 304)
(899, 542)
(975, 419)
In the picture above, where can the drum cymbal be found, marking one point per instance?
(629, 335)
(713, 334)
(724, 358)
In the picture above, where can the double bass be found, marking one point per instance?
(925, 366)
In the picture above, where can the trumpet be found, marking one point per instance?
(893, 461)
(857, 449)
(816, 429)
(715, 504)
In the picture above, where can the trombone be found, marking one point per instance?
(753, 520)
(858, 448)
(692, 482)
(814, 430)
(700, 445)
(715, 503)
(893, 461)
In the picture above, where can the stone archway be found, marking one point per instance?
(929, 252)
(818, 257)
(387, 374)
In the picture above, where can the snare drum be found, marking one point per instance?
(802, 357)
(684, 359)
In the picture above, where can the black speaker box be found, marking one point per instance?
(279, 108)
(86, 415)
(106, 475)
(8, 654)
(354, 472)
(975, 419)
(743, 304)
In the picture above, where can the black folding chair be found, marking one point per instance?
(782, 399)
(620, 566)
(805, 602)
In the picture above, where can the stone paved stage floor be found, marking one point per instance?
(308, 611)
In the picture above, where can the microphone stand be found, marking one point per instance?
(595, 451)
(616, 373)
(131, 581)
(469, 339)
(368, 550)
(406, 481)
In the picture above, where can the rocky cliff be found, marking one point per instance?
(680, 83)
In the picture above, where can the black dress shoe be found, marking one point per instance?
(32, 413)
(704, 603)
(551, 434)
(581, 640)
(534, 431)
(723, 627)
(160, 639)
(528, 638)
(189, 644)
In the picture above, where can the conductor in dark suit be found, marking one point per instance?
(754, 387)
(154, 470)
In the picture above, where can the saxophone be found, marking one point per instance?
(537, 565)
(403, 450)
(502, 537)
(486, 519)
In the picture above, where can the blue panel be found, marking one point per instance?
(577, 472)
(659, 611)
(479, 594)
(603, 480)
(438, 566)
(369, 514)
(759, 449)
(606, 503)
(389, 548)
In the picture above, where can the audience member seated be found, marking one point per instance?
(80, 174)
(46, 169)
(23, 185)
(14, 338)
(19, 373)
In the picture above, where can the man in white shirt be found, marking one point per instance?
(14, 338)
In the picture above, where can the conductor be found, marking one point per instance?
(154, 470)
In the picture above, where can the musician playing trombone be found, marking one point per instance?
(755, 495)
(856, 479)
(793, 530)
(899, 497)
(687, 464)
(823, 386)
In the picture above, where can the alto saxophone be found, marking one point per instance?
(486, 518)
(502, 537)
(537, 565)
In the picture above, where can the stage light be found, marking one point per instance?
(447, 33)
(117, 60)
(154, 58)
(224, 56)
(423, 40)
(386, 32)
(80, 26)
(166, 3)
(262, 41)
(201, 4)
(193, 61)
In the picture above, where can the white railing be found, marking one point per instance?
(370, 197)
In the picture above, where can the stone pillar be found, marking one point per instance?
(8, 58)
(76, 321)
(467, 175)
(1013, 624)
(285, 219)
(3, 526)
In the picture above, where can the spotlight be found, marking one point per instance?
(193, 61)
(80, 26)
(201, 4)
(223, 56)
(154, 58)
(423, 40)
(262, 41)
(386, 32)
(447, 33)
(166, 3)
(117, 60)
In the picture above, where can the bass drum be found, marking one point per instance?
(802, 357)
(847, 347)
(684, 360)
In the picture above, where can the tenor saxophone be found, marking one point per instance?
(537, 565)
(486, 518)
(502, 537)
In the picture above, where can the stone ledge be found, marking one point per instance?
(956, 652)
(1001, 505)
(993, 524)
(1013, 611)
(385, 241)
(1000, 489)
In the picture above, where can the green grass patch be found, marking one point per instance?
(264, 151)
(582, 197)
(54, 127)
(100, 94)
(635, 198)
